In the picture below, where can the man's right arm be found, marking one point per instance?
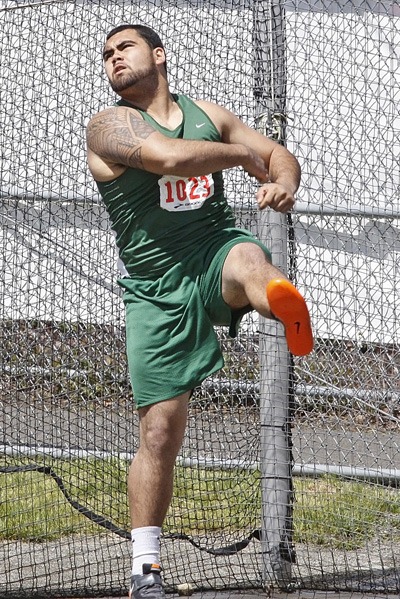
(117, 138)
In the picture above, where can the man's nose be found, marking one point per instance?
(116, 56)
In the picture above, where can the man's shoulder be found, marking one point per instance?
(113, 111)
(218, 114)
(201, 103)
(205, 104)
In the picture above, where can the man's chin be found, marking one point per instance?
(122, 84)
(120, 87)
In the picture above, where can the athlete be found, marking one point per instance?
(157, 159)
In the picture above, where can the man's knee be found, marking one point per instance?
(162, 426)
(246, 268)
(160, 439)
(244, 259)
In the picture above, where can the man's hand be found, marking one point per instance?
(275, 196)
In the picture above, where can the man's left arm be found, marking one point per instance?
(283, 168)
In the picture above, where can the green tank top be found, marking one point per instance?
(161, 220)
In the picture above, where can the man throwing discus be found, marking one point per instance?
(157, 158)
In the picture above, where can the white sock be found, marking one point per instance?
(145, 547)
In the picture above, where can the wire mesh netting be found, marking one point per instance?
(327, 74)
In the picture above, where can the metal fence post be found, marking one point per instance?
(275, 361)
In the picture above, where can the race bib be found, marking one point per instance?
(180, 193)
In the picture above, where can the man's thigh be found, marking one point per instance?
(246, 271)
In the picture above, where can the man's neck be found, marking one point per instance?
(160, 106)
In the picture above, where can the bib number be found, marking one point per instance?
(179, 193)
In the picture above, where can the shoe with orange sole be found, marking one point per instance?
(289, 306)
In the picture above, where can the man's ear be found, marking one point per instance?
(159, 55)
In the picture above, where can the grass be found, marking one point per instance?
(328, 511)
(344, 514)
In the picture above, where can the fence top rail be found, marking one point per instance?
(300, 207)
(357, 210)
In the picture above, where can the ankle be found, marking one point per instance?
(145, 547)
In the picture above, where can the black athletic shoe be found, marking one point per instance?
(148, 586)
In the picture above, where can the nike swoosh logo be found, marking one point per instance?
(201, 125)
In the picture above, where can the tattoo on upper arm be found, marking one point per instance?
(117, 134)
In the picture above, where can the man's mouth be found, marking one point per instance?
(119, 68)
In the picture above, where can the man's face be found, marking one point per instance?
(128, 60)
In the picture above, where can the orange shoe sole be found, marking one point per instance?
(289, 306)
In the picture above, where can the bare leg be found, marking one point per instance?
(150, 480)
(245, 275)
(248, 278)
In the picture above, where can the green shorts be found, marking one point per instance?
(171, 343)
